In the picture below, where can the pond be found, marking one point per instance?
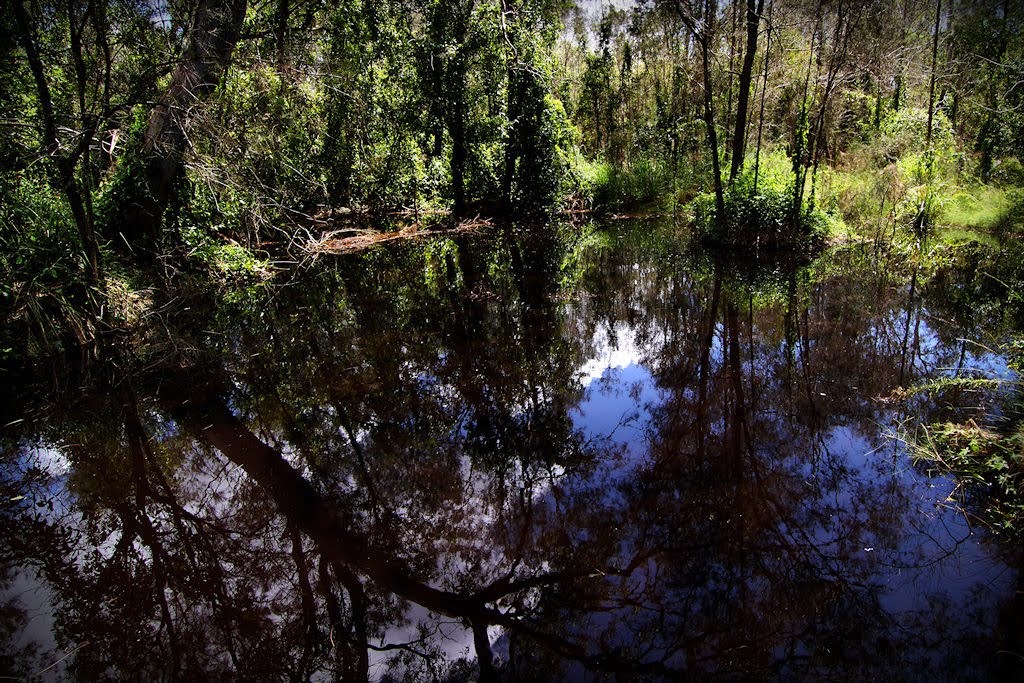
(586, 457)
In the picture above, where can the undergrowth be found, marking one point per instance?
(761, 213)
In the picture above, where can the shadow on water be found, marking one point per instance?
(495, 457)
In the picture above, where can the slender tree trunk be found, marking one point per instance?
(710, 12)
(803, 127)
(739, 139)
(456, 76)
(923, 218)
(458, 132)
(703, 32)
(764, 89)
(281, 32)
(931, 80)
(66, 164)
(734, 13)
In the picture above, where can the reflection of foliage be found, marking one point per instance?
(584, 254)
(441, 271)
(363, 440)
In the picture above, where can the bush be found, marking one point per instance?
(43, 290)
(760, 217)
(642, 182)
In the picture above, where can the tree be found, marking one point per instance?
(739, 140)
(67, 177)
(699, 17)
(211, 39)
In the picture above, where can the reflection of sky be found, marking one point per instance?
(923, 554)
(26, 592)
(618, 390)
(44, 469)
(859, 499)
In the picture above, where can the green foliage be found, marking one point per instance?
(981, 207)
(644, 181)
(227, 261)
(126, 184)
(760, 216)
(43, 288)
(901, 140)
(538, 148)
(272, 144)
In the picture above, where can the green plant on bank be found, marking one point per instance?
(890, 182)
(605, 186)
(226, 261)
(759, 212)
(44, 295)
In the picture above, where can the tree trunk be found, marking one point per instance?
(764, 88)
(456, 76)
(931, 79)
(66, 164)
(739, 140)
(710, 12)
(212, 40)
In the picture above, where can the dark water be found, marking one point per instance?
(598, 459)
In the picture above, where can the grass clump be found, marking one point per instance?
(982, 208)
(607, 187)
(989, 465)
(45, 296)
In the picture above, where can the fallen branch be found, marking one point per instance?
(328, 243)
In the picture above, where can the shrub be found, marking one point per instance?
(44, 297)
(644, 181)
(760, 217)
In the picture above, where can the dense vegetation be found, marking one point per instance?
(149, 147)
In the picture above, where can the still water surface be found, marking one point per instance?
(599, 459)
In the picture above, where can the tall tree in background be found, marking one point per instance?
(754, 10)
(67, 176)
(699, 17)
(451, 43)
(210, 41)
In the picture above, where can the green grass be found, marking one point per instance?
(981, 207)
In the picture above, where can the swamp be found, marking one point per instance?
(511, 340)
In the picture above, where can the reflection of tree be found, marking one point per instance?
(373, 469)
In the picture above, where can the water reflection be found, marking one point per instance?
(504, 458)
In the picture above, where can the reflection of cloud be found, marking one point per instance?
(610, 354)
(27, 594)
(49, 460)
